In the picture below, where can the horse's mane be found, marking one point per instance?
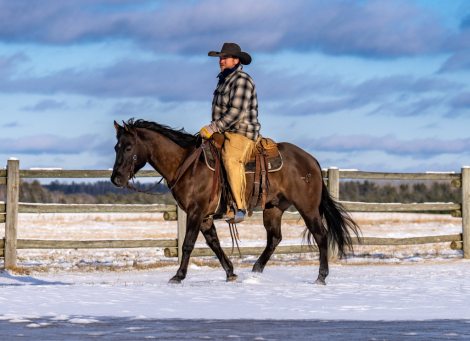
(179, 136)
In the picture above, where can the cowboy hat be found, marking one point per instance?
(232, 49)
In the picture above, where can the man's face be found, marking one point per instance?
(227, 62)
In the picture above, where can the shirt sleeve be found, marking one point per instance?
(240, 97)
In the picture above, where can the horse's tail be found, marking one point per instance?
(338, 223)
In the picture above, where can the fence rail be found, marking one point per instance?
(376, 207)
(398, 176)
(286, 249)
(90, 244)
(173, 247)
(89, 208)
(59, 173)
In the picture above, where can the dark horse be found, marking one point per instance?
(165, 149)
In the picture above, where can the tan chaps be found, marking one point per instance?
(235, 154)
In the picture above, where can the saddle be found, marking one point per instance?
(264, 159)
(272, 156)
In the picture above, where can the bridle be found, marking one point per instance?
(194, 156)
(131, 175)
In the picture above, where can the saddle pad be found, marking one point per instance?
(274, 163)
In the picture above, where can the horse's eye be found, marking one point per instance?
(128, 149)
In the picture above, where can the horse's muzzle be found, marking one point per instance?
(118, 181)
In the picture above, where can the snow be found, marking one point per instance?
(404, 292)
(376, 283)
(440, 172)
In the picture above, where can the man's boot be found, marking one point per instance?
(232, 217)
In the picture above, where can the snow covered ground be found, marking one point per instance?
(377, 283)
(388, 292)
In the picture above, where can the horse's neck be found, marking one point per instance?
(164, 155)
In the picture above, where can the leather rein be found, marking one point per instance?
(193, 157)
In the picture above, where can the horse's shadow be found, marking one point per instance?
(24, 280)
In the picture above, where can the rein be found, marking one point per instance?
(194, 156)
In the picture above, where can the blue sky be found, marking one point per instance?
(372, 85)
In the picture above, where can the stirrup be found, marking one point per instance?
(240, 216)
(232, 218)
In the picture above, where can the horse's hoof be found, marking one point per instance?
(232, 278)
(320, 282)
(174, 281)
(257, 268)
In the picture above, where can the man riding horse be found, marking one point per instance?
(298, 183)
(235, 114)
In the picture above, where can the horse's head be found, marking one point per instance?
(129, 159)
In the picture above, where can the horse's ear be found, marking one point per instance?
(117, 126)
(129, 129)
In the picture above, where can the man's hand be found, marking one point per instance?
(207, 131)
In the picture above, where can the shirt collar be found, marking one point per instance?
(227, 72)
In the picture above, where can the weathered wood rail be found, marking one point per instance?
(12, 176)
(285, 249)
(86, 208)
(90, 244)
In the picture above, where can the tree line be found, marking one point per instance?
(97, 188)
(104, 192)
(101, 192)
(417, 192)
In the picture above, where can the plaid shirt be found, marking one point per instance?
(235, 105)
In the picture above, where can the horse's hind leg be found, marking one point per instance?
(209, 232)
(272, 222)
(320, 234)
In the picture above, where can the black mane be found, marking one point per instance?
(180, 137)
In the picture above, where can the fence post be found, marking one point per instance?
(181, 232)
(466, 211)
(333, 189)
(11, 219)
(333, 182)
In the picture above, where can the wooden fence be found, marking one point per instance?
(12, 176)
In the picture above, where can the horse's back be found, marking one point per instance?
(300, 178)
(294, 157)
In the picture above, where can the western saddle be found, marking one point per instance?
(265, 159)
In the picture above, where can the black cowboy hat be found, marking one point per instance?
(232, 49)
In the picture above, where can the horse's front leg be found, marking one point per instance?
(193, 224)
(209, 232)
